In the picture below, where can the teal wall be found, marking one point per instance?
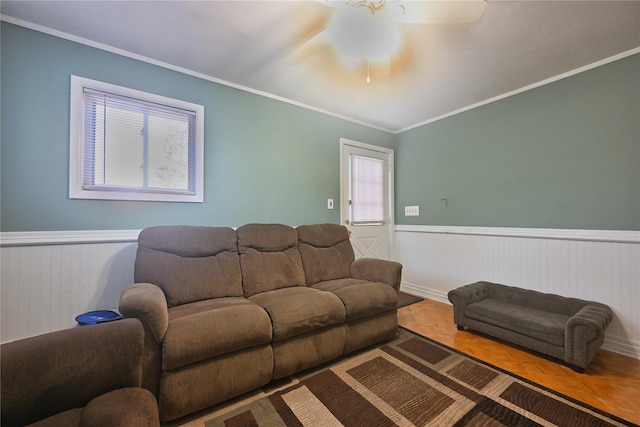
(564, 155)
(265, 160)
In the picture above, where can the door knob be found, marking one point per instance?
(346, 221)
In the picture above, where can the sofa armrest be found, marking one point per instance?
(378, 270)
(584, 333)
(126, 407)
(48, 374)
(463, 296)
(146, 302)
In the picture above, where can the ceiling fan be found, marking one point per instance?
(366, 32)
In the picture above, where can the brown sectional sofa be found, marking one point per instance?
(227, 311)
(86, 376)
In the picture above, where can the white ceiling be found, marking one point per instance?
(442, 67)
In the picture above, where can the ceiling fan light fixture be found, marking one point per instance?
(358, 35)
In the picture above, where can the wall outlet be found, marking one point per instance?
(329, 203)
(412, 210)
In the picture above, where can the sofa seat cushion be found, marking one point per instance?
(541, 325)
(299, 310)
(360, 298)
(206, 329)
(66, 418)
(206, 305)
(334, 285)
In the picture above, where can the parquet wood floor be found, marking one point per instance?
(611, 382)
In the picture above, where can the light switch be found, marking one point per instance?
(412, 210)
(329, 203)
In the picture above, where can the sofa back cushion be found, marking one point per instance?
(189, 263)
(58, 371)
(326, 252)
(269, 258)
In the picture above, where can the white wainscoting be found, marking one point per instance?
(600, 266)
(48, 278)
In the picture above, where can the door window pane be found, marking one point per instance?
(367, 190)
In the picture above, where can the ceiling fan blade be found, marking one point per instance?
(437, 11)
(422, 11)
(309, 48)
(380, 67)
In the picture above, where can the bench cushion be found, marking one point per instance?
(544, 326)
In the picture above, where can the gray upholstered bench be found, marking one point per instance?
(569, 329)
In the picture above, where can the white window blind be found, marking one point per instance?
(367, 190)
(128, 143)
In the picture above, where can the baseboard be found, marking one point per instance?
(614, 344)
(423, 292)
(621, 346)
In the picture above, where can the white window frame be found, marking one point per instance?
(76, 190)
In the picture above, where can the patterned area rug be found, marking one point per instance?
(411, 381)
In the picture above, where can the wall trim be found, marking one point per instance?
(620, 236)
(30, 238)
(44, 238)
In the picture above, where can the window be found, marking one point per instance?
(131, 145)
(367, 190)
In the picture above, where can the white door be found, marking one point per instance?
(366, 194)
